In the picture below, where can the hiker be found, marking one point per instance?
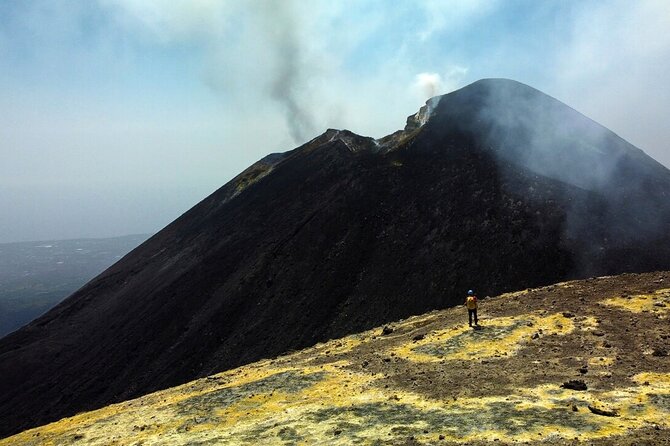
(471, 304)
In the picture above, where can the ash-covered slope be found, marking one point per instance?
(342, 234)
(523, 127)
(585, 363)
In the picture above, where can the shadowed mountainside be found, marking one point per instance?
(495, 186)
(584, 362)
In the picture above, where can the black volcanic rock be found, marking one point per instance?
(495, 187)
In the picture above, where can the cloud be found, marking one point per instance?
(614, 67)
(305, 59)
(452, 16)
(175, 21)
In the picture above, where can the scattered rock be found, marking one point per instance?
(598, 333)
(568, 314)
(365, 364)
(441, 437)
(659, 352)
(575, 408)
(584, 370)
(574, 384)
(535, 335)
(387, 330)
(418, 337)
(337, 432)
(605, 413)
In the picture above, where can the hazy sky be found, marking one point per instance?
(119, 115)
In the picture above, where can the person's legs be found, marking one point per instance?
(470, 317)
(475, 312)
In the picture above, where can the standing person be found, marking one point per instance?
(471, 304)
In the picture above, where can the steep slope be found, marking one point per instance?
(339, 235)
(580, 362)
(524, 127)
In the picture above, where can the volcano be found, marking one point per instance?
(496, 187)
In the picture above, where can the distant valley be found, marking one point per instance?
(35, 276)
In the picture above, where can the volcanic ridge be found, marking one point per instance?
(581, 362)
(495, 186)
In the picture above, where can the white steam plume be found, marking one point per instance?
(428, 84)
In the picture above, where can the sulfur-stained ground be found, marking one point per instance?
(433, 380)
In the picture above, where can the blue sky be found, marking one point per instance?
(119, 115)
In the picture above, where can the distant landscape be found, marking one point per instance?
(35, 276)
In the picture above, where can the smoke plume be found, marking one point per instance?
(287, 85)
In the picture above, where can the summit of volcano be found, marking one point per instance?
(495, 186)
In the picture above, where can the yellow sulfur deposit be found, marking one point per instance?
(330, 404)
(601, 361)
(498, 337)
(358, 390)
(658, 302)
